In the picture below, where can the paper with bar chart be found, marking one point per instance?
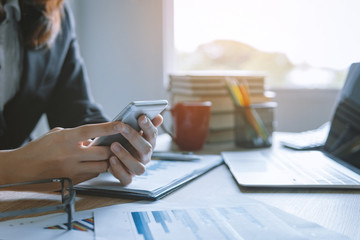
(160, 178)
(244, 220)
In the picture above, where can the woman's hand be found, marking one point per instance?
(59, 153)
(131, 160)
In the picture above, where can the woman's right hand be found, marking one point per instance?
(59, 153)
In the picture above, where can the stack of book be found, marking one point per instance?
(212, 87)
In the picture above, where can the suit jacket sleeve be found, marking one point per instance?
(71, 103)
(54, 82)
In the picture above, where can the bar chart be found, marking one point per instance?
(243, 222)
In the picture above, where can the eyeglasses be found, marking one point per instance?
(67, 200)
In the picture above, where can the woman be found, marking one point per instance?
(41, 71)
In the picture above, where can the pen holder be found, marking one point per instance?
(254, 125)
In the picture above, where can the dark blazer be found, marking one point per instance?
(53, 82)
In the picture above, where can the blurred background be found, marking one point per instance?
(303, 46)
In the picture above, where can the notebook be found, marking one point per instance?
(161, 178)
(336, 165)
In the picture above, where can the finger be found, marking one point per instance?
(158, 120)
(150, 132)
(118, 170)
(95, 167)
(142, 146)
(88, 131)
(132, 164)
(94, 153)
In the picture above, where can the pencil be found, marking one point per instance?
(237, 92)
(252, 115)
(231, 91)
(240, 95)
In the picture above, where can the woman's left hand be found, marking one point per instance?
(125, 164)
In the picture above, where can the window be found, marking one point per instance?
(297, 43)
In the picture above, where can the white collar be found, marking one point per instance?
(12, 9)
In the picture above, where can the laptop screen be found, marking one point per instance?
(343, 140)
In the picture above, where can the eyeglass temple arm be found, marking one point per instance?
(67, 202)
(39, 182)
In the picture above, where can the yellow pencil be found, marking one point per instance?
(237, 92)
(232, 93)
(253, 117)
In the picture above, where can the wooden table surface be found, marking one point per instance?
(338, 210)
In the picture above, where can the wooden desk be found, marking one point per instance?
(338, 210)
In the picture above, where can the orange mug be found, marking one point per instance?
(190, 124)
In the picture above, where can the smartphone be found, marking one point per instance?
(130, 115)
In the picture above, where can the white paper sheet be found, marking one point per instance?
(233, 217)
(34, 228)
(159, 174)
(240, 219)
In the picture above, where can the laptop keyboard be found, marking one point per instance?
(304, 168)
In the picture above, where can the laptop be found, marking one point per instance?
(335, 165)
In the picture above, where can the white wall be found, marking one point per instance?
(304, 109)
(122, 45)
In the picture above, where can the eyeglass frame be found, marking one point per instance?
(67, 201)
